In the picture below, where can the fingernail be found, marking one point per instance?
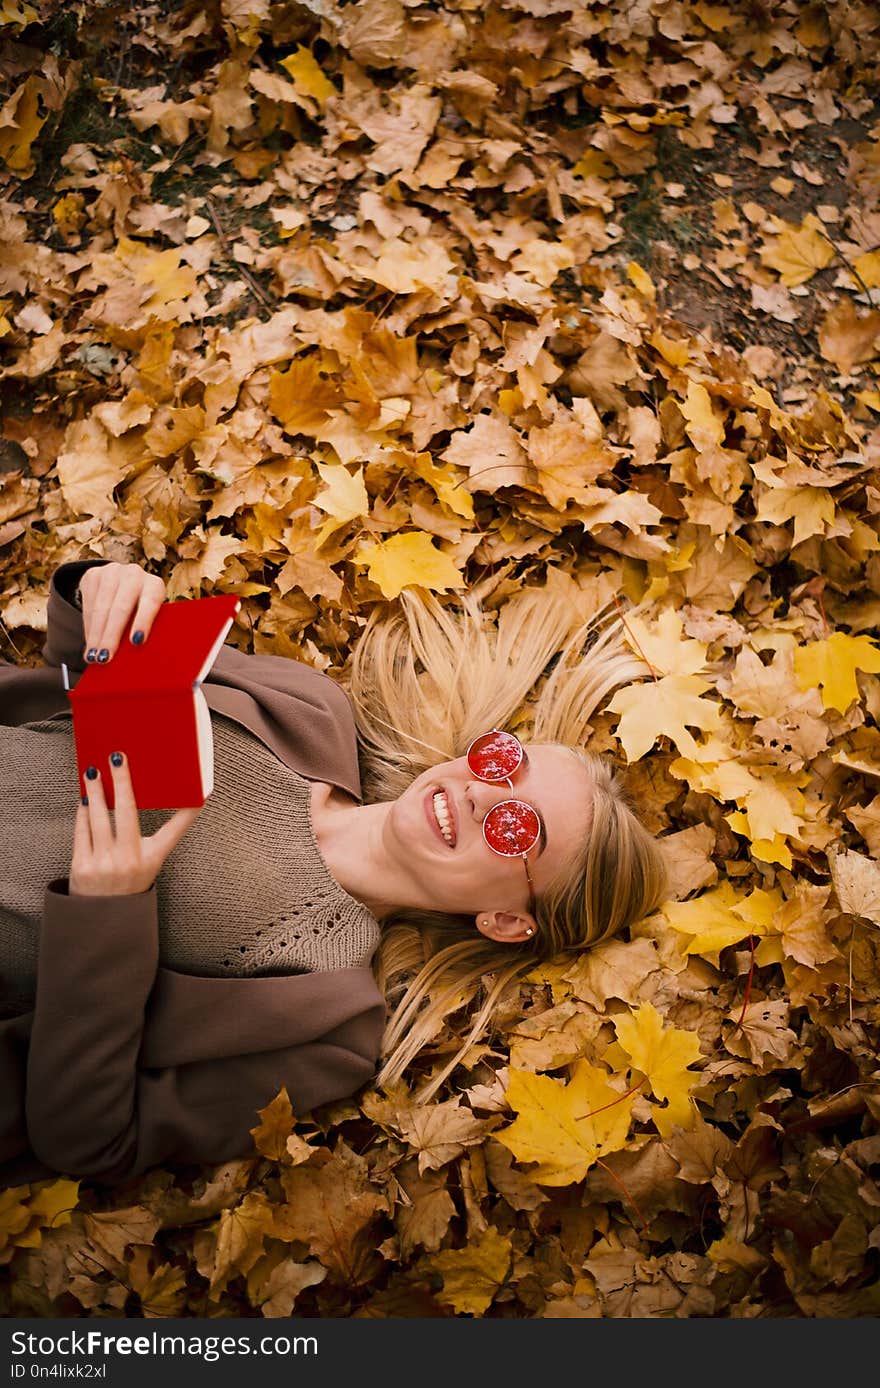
(91, 772)
(85, 799)
(91, 653)
(137, 637)
(116, 758)
(103, 656)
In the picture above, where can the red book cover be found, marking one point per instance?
(147, 702)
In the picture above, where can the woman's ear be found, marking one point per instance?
(506, 927)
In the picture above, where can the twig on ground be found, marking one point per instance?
(255, 285)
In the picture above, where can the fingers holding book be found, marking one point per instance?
(113, 595)
(115, 859)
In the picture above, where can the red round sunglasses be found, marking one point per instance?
(512, 827)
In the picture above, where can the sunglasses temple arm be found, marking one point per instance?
(533, 906)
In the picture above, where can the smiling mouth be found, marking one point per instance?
(443, 816)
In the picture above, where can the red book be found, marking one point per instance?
(147, 702)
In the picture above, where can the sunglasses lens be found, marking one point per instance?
(495, 756)
(511, 828)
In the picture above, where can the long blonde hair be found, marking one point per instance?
(425, 679)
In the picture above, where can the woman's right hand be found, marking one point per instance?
(117, 860)
(110, 595)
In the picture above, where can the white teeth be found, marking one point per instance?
(441, 814)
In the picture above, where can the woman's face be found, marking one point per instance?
(458, 870)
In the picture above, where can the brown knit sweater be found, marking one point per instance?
(244, 892)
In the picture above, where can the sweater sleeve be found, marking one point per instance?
(93, 1110)
(64, 621)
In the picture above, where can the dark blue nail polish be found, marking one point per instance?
(92, 772)
(116, 758)
(137, 637)
(85, 799)
(91, 653)
(103, 656)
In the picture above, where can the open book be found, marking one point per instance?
(147, 702)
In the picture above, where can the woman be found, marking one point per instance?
(157, 988)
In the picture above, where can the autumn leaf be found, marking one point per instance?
(665, 707)
(662, 1055)
(303, 396)
(856, 883)
(799, 251)
(239, 1240)
(406, 561)
(344, 498)
(472, 1276)
(27, 1211)
(307, 76)
(423, 1214)
(830, 666)
(491, 452)
(440, 1132)
(551, 1128)
(705, 428)
(848, 338)
(712, 922)
(332, 1207)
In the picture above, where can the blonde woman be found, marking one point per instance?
(367, 860)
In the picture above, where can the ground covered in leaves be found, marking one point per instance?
(314, 301)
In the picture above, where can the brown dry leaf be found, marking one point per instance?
(332, 1208)
(440, 1132)
(424, 1212)
(856, 884)
(848, 338)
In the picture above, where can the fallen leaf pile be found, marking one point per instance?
(313, 302)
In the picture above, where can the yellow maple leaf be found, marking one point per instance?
(308, 76)
(867, 267)
(68, 213)
(446, 484)
(20, 124)
(161, 272)
(712, 921)
(662, 644)
(704, 427)
(344, 498)
(552, 1128)
(811, 508)
(769, 850)
(171, 430)
(593, 164)
(472, 1275)
(830, 666)
(673, 350)
(16, 12)
(642, 281)
(799, 251)
(408, 561)
(25, 1211)
(663, 707)
(662, 1054)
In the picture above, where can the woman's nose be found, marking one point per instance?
(483, 795)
